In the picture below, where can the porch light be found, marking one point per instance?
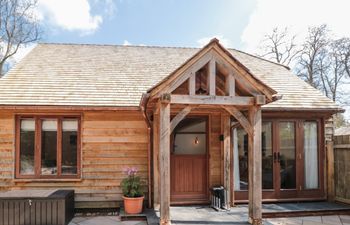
(196, 141)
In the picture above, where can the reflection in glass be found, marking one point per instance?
(69, 146)
(27, 143)
(49, 147)
(241, 159)
(287, 155)
(267, 156)
(240, 139)
(310, 155)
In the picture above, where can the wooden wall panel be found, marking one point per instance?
(111, 142)
(7, 128)
(215, 150)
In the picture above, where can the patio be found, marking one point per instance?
(190, 215)
(209, 218)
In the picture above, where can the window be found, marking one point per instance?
(190, 137)
(47, 147)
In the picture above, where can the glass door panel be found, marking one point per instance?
(286, 155)
(310, 155)
(267, 155)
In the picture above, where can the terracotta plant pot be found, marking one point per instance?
(133, 205)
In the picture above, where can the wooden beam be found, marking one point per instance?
(230, 85)
(212, 100)
(180, 116)
(260, 100)
(187, 73)
(164, 161)
(248, 86)
(330, 171)
(226, 120)
(212, 77)
(240, 117)
(192, 84)
(156, 184)
(254, 167)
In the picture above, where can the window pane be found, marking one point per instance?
(287, 155)
(241, 153)
(267, 157)
(49, 147)
(190, 137)
(27, 143)
(189, 125)
(240, 140)
(310, 155)
(190, 144)
(69, 146)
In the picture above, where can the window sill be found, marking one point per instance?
(38, 180)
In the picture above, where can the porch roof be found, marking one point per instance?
(117, 76)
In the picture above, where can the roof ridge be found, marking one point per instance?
(158, 46)
(118, 45)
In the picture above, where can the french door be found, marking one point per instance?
(291, 160)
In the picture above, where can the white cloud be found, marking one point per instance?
(70, 15)
(126, 42)
(298, 15)
(224, 41)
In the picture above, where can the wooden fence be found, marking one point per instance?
(342, 168)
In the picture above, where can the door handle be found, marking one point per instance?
(278, 157)
(275, 156)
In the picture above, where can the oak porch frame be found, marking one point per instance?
(215, 56)
(253, 126)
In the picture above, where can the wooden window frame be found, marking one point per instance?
(37, 147)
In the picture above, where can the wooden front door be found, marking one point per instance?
(189, 182)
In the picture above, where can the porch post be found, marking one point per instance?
(164, 159)
(227, 156)
(254, 167)
(156, 203)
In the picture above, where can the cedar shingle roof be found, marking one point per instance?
(111, 75)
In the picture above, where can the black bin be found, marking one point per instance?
(218, 197)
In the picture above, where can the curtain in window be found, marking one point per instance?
(237, 185)
(310, 155)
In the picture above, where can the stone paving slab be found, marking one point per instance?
(201, 215)
(103, 220)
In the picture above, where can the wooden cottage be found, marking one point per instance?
(75, 116)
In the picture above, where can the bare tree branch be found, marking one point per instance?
(280, 46)
(18, 27)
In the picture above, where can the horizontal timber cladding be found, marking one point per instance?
(111, 142)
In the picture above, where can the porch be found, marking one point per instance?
(192, 113)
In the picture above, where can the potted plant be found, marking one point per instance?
(132, 192)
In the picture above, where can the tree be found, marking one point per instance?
(280, 46)
(313, 55)
(339, 120)
(333, 78)
(19, 27)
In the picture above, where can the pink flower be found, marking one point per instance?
(130, 171)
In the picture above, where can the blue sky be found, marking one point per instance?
(161, 22)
